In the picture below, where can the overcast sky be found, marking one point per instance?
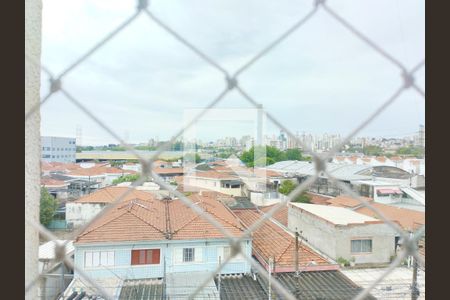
(321, 79)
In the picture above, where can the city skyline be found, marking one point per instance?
(324, 87)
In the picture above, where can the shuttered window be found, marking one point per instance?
(145, 257)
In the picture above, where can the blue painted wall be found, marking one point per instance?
(122, 259)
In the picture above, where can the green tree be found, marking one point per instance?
(294, 154)
(273, 155)
(373, 150)
(126, 178)
(48, 206)
(411, 150)
(288, 186)
(191, 157)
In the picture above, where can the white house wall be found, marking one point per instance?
(335, 241)
(81, 213)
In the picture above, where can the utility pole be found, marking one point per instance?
(220, 262)
(296, 252)
(297, 248)
(270, 277)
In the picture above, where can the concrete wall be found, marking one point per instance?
(335, 241)
(33, 15)
(122, 259)
(261, 199)
(320, 234)
(81, 213)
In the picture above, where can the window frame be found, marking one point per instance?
(96, 256)
(361, 245)
(145, 263)
(192, 255)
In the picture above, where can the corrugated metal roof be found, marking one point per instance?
(147, 289)
(308, 285)
(320, 285)
(181, 285)
(340, 171)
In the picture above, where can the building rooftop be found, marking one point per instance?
(346, 201)
(110, 194)
(271, 240)
(407, 218)
(320, 285)
(51, 182)
(280, 215)
(165, 171)
(98, 171)
(152, 220)
(309, 285)
(149, 289)
(334, 215)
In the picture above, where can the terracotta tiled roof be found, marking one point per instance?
(281, 215)
(396, 158)
(159, 170)
(318, 199)
(270, 240)
(111, 193)
(58, 166)
(98, 171)
(381, 159)
(213, 174)
(346, 201)
(50, 182)
(409, 219)
(145, 220)
(353, 158)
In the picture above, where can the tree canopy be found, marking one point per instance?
(272, 155)
(288, 186)
(48, 206)
(126, 178)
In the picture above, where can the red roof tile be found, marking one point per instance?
(318, 199)
(50, 182)
(407, 218)
(270, 240)
(346, 201)
(145, 220)
(280, 215)
(111, 193)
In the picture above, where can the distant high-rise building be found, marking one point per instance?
(58, 149)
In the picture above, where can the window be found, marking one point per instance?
(188, 254)
(361, 246)
(145, 257)
(223, 253)
(98, 258)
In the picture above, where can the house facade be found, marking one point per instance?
(85, 208)
(143, 239)
(142, 260)
(221, 182)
